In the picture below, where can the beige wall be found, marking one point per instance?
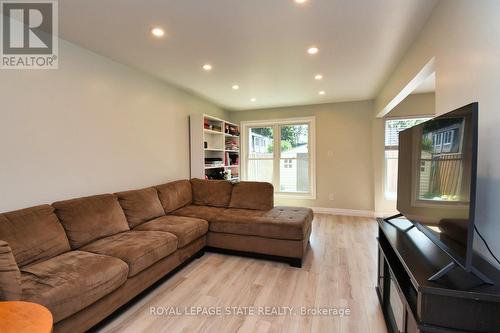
(92, 126)
(464, 37)
(344, 130)
(412, 106)
(415, 105)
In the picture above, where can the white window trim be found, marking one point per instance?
(276, 156)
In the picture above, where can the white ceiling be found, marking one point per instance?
(258, 44)
(427, 86)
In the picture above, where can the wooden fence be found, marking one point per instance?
(446, 174)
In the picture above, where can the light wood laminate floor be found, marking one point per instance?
(338, 272)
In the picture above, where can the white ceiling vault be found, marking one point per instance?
(259, 45)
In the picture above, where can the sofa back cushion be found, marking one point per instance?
(175, 195)
(34, 234)
(215, 193)
(252, 195)
(140, 206)
(91, 218)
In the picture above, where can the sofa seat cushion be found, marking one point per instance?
(187, 229)
(291, 223)
(139, 249)
(201, 212)
(72, 281)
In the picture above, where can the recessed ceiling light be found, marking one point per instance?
(236, 87)
(312, 50)
(253, 99)
(300, 1)
(207, 67)
(322, 92)
(158, 32)
(318, 77)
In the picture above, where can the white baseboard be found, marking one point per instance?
(344, 212)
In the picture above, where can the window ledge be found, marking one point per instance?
(283, 195)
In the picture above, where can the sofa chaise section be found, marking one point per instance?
(290, 223)
(282, 232)
(242, 219)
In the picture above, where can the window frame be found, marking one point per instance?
(385, 180)
(275, 124)
(447, 144)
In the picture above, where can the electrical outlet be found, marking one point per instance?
(329, 153)
(330, 196)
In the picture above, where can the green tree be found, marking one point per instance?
(427, 145)
(294, 134)
(285, 145)
(264, 131)
(291, 135)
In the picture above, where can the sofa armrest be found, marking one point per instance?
(10, 276)
(252, 195)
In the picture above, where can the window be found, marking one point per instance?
(437, 140)
(447, 141)
(260, 157)
(281, 152)
(392, 129)
(441, 182)
(447, 137)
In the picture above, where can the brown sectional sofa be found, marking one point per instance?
(84, 258)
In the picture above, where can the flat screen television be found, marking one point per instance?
(437, 181)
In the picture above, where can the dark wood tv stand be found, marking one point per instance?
(457, 302)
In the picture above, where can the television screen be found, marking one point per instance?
(437, 179)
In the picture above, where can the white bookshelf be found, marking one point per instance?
(215, 147)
